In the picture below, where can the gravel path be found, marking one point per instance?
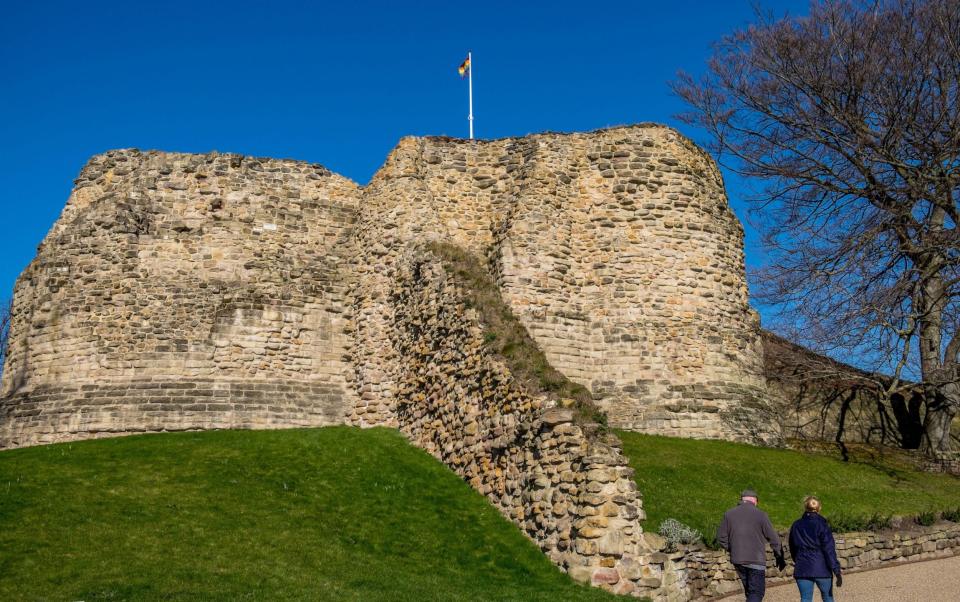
(933, 581)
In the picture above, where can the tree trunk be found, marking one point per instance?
(939, 377)
(940, 415)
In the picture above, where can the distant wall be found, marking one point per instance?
(181, 292)
(820, 399)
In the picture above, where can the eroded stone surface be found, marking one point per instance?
(183, 292)
(616, 249)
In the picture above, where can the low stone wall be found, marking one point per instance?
(710, 574)
(949, 464)
(567, 486)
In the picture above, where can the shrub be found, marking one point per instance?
(878, 522)
(710, 538)
(845, 523)
(952, 515)
(677, 533)
(926, 518)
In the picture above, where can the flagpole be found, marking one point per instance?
(470, 74)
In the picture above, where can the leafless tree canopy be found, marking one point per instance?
(848, 122)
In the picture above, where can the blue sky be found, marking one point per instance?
(333, 83)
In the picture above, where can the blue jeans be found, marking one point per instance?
(824, 585)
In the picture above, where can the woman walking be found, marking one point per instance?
(814, 553)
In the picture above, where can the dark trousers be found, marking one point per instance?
(754, 582)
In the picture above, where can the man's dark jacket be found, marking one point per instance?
(744, 532)
(812, 547)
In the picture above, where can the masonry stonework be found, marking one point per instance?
(183, 292)
(616, 249)
(566, 485)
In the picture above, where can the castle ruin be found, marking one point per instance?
(185, 292)
(213, 291)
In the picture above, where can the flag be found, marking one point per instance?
(464, 67)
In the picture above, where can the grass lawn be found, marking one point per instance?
(323, 514)
(695, 481)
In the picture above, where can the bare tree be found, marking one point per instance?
(847, 121)
(5, 312)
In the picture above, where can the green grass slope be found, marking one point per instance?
(695, 481)
(324, 514)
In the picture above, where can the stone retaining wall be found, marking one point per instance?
(564, 484)
(710, 574)
(949, 464)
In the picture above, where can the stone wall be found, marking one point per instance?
(711, 575)
(183, 292)
(564, 484)
(949, 464)
(616, 249)
(218, 291)
(817, 398)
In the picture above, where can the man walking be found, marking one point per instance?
(744, 533)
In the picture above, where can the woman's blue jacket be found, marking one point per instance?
(812, 547)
